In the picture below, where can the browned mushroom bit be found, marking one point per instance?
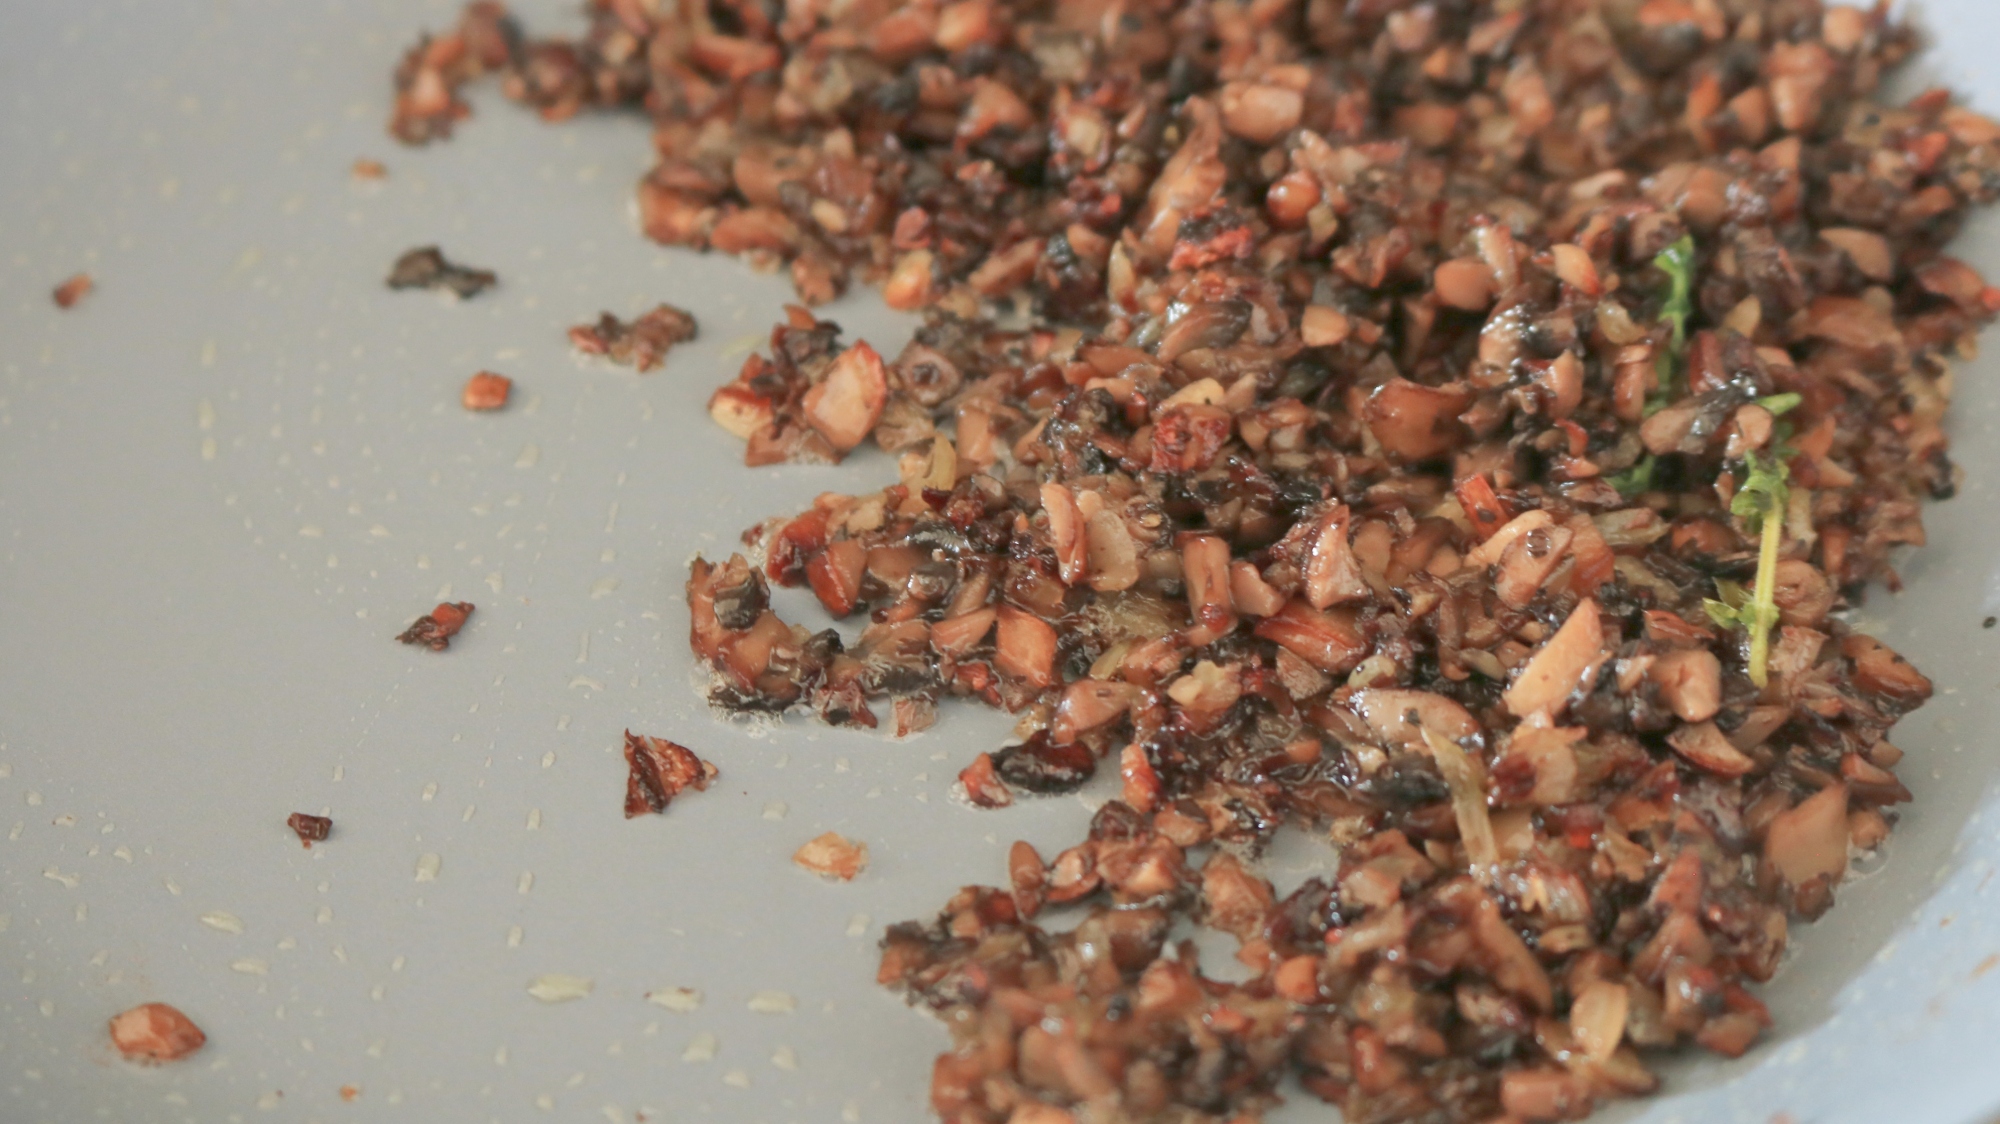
(427, 268)
(430, 74)
(832, 855)
(814, 400)
(68, 294)
(1450, 427)
(486, 391)
(435, 629)
(309, 828)
(154, 1033)
(642, 344)
(659, 771)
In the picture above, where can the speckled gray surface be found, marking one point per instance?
(238, 468)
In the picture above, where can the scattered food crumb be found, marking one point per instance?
(74, 290)
(486, 391)
(366, 169)
(857, 925)
(435, 629)
(785, 1058)
(775, 810)
(660, 769)
(1989, 622)
(834, 856)
(428, 866)
(701, 1048)
(155, 1032)
(349, 1093)
(774, 1003)
(682, 999)
(736, 1078)
(222, 921)
(559, 988)
(427, 268)
(310, 828)
(642, 344)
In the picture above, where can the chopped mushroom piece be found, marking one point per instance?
(435, 629)
(431, 72)
(833, 856)
(1563, 665)
(73, 290)
(426, 268)
(658, 771)
(642, 344)
(155, 1032)
(486, 391)
(309, 828)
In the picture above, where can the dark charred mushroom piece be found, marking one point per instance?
(435, 629)
(427, 268)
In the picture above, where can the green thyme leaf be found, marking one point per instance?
(1780, 404)
(1677, 262)
(1637, 479)
(1723, 615)
(1763, 489)
(1762, 499)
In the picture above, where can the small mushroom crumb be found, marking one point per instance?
(311, 829)
(557, 987)
(660, 769)
(427, 268)
(366, 169)
(155, 1032)
(74, 290)
(435, 629)
(486, 391)
(833, 856)
(642, 344)
(1989, 622)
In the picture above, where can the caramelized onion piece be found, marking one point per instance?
(1467, 782)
